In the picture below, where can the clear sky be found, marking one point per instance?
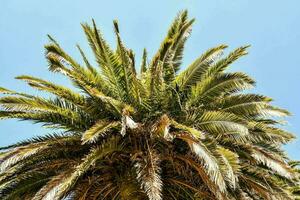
(271, 27)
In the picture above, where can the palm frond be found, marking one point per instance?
(223, 84)
(278, 166)
(98, 130)
(230, 166)
(148, 174)
(209, 162)
(19, 154)
(144, 64)
(57, 90)
(222, 64)
(193, 74)
(215, 122)
(97, 153)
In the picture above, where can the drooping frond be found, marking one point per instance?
(148, 174)
(19, 154)
(278, 166)
(96, 154)
(208, 161)
(57, 90)
(230, 166)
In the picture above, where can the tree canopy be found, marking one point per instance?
(148, 131)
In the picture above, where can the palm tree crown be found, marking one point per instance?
(154, 134)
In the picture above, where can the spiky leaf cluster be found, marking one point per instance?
(159, 133)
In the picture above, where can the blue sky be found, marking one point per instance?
(271, 27)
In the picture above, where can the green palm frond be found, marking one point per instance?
(215, 122)
(144, 64)
(5, 91)
(223, 84)
(222, 64)
(194, 73)
(170, 52)
(57, 90)
(97, 130)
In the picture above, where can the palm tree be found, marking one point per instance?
(158, 134)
